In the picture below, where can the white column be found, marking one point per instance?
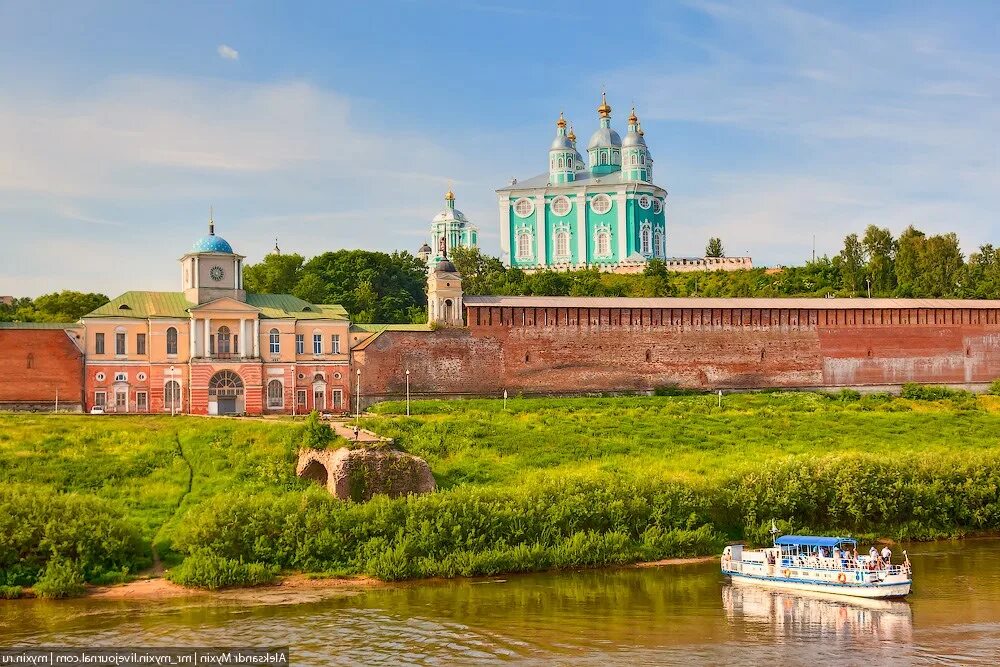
(540, 229)
(192, 331)
(581, 228)
(620, 203)
(256, 337)
(505, 229)
(208, 333)
(243, 337)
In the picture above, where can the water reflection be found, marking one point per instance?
(801, 614)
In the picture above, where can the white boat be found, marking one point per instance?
(817, 564)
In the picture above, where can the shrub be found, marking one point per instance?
(315, 433)
(11, 592)
(921, 392)
(846, 396)
(203, 569)
(62, 578)
(994, 389)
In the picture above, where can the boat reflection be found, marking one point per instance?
(802, 613)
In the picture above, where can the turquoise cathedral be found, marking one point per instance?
(605, 212)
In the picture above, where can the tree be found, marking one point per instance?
(315, 433)
(880, 253)
(909, 249)
(851, 262)
(276, 274)
(311, 288)
(714, 248)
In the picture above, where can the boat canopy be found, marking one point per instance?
(812, 541)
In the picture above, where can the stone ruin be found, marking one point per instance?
(359, 474)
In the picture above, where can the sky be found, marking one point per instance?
(333, 125)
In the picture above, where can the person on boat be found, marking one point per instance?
(886, 555)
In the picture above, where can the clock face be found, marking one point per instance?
(217, 273)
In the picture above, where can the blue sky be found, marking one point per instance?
(340, 125)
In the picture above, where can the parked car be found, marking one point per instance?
(97, 410)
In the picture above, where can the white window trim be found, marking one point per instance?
(123, 377)
(518, 202)
(104, 398)
(524, 231)
(657, 205)
(647, 199)
(267, 393)
(646, 239)
(602, 197)
(597, 244)
(560, 199)
(557, 233)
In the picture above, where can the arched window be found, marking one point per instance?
(569, 162)
(275, 394)
(559, 163)
(602, 158)
(658, 243)
(642, 158)
(647, 241)
(225, 383)
(603, 243)
(562, 244)
(447, 310)
(172, 396)
(275, 340)
(171, 340)
(223, 340)
(632, 159)
(523, 245)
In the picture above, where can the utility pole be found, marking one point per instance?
(407, 392)
(357, 393)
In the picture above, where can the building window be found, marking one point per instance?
(275, 339)
(100, 398)
(523, 244)
(562, 243)
(172, 396)
(569, 163)
(632, 159)
(600, 204)
(657, 205)
(120, 343)
(644, 201)
(141, 401)
(223, 340)
(559, 163)
(603, 243)
(337, 396)
(300, 344)
(99, 377)
(31, 360)
(275, 394)
(225, 384)
(300, 400)
(98, 343)
(335, 344)
(171, 340)
(561, 205)
(140, 343)
(121, 377)
(647, 240)
(317, 343)
(602, 158)
(523, 207)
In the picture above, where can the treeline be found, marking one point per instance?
(914, 265)
(372, 286)
(65, 306)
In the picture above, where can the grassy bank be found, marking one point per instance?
(545, 483)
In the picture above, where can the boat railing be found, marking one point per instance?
(850, 565)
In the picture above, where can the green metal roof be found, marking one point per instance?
(144, 305)
(39, 325)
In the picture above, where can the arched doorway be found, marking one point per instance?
(315, 472)
(225, 394)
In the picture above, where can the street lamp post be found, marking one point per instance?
(357, 393)
(869, 282)
(407, 392)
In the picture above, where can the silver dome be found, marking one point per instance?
(633, 139)
(603, 138)
(450, 214)
(561, 143)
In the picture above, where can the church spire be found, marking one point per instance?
(211, 222)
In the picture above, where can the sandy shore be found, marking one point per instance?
(294, 588)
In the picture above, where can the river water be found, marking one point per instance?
(680, 614)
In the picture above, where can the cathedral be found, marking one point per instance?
(605, 212)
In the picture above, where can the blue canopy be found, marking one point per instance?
(811, 541)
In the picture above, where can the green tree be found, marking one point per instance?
(276, 274)
(909, 252)
(714, 248)
(851, 262)
(311, 288)
(880, 252)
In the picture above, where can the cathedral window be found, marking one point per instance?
(569, 162)
(523, 207)
(600, 204)
(658, 243)
(644, 201)
(561, 205)
(523, 245)
(632, 159)
(275, 341)
(657, 205)
(647, 240)
(559, 163)
(171, 340)
(275, 394)
(602, 158)
(562, 244)
(603, 243)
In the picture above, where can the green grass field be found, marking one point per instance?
(543, 483)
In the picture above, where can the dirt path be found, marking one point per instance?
(346, 430)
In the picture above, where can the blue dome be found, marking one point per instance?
(212, 243)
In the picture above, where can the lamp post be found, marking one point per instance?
(357, 393)
(869, 283)
(407, 392)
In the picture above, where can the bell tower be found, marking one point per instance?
(444, 292)
(211, 270)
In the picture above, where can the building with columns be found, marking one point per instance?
(604, 213)
(449, 229)
(214, 348)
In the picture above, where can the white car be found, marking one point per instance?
(97, 410)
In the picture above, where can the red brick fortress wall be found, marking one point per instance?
(56, 365)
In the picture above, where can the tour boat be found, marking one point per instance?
(817, 564)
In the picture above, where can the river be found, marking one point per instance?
(680, 614)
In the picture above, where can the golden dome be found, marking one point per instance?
(572, 135)
(633, 119)
(604, 110)
(562, 121)
(449, 196)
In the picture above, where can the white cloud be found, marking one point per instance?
(227, 52)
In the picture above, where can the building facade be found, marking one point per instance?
(449, 229)
(214, 348)
(605, 212)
